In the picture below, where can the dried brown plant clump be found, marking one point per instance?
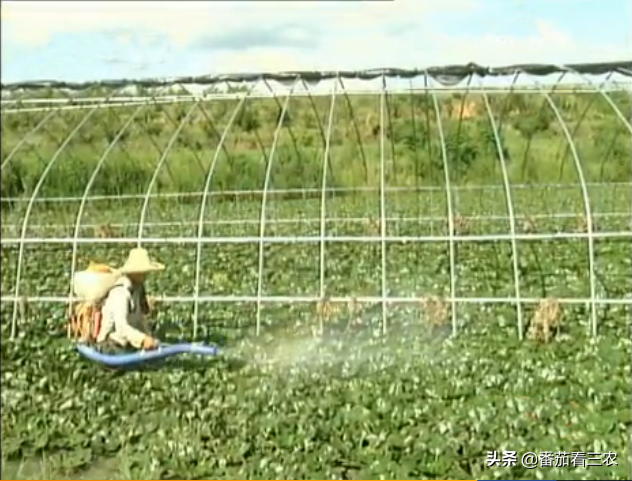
(104, 231)
(529, 225)
(326, 309)
(582, 225)
(436, 309)
(461, 225)
(546, 321)
(374, 226)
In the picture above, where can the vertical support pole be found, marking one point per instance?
(450, 208)
(383, 204)
(323, 202)
(205, 192)
(510, 212)
(264, 203)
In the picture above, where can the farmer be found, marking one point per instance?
(125, 307)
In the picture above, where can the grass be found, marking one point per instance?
(522, 132)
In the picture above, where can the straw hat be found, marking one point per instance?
(139, 262)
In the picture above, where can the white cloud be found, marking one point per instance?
(547, 44)
(350, 35)
(183, 22)
(420, 48)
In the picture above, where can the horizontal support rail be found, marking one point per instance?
(316, 239)
(338, 299)
(317, 191)
(317, 220)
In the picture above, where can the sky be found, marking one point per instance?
(91, 40)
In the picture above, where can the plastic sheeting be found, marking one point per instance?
(446, 75)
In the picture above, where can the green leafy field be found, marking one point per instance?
(352, 402)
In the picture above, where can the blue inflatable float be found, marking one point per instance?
(131, 359)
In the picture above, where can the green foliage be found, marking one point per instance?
(530, 125)
(247, 120)
(525, 130)
(407, 405)
(432, 411)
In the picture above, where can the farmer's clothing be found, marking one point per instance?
(123, 312)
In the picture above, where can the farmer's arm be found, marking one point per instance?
(118, 310)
